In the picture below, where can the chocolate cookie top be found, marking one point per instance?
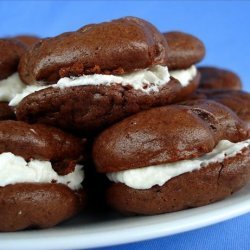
(223, 121)
(217, 78)
(166, 134)
(28, 39)
(117, 47)
(184, 50)
(39, 142)
(237, 100)
(10, 53)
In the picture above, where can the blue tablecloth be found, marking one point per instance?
(224, 26)
(233, 234)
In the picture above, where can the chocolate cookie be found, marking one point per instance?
(237, 100)
(41, 142)
(117, 47)
(217, 78)
(185, 50)
(29, 205)
(28, 40)
(92, 108)
(98, 85)
(40, 178)
(157, 154)
(10, 53)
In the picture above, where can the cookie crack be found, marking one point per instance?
(219, 175)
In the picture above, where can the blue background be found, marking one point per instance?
(224, 26)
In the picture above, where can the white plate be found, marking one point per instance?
(102, 230)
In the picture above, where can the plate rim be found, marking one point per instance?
(142, 228)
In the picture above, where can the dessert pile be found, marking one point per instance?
(116, 116)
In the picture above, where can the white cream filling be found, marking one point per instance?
(184, 76)
(14, 169)
(147, 177)
(10, 86)
(146, 80)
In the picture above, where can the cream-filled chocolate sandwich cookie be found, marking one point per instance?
(184, 51)
(98, 75)
(10, 83)
(172, 158)
(40, 176)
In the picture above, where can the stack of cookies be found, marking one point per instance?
(124, 102)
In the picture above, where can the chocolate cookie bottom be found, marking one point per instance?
(91, 108)
(29, 205)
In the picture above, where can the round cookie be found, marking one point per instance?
(167, 159)
(184, 50)
(28, 40)
(10, 53)
(237, 100)
(117, 47)
(217, 78)
(225, 119)
(146, 131)
(37, 205)
(97, 85)
(40, 178)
